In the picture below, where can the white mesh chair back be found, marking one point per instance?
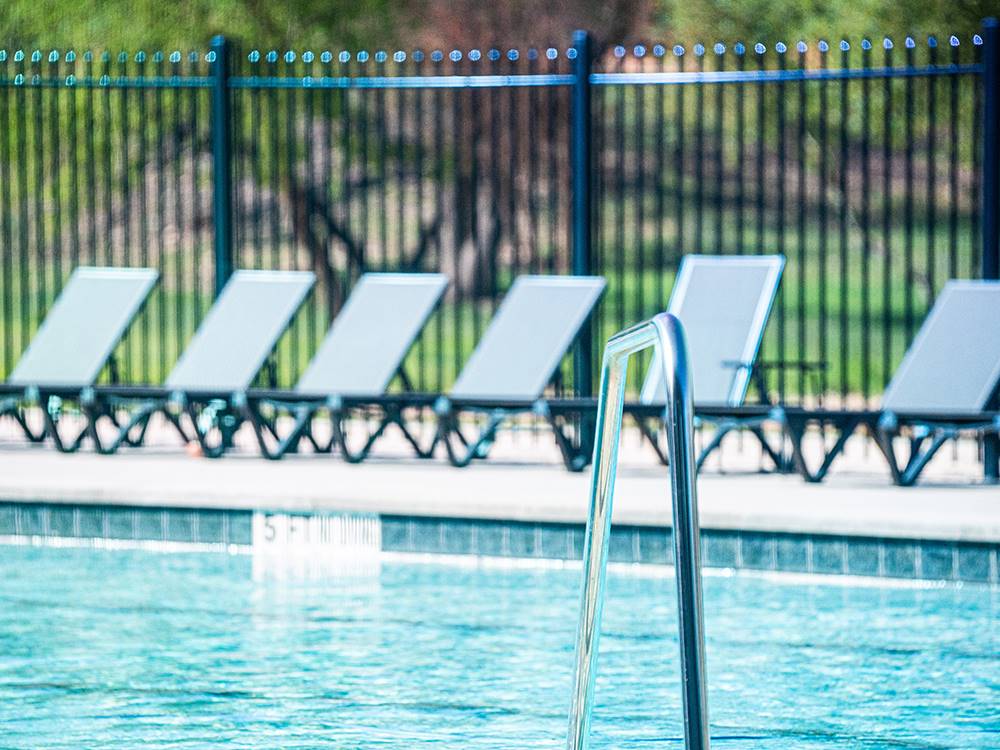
(240, 331)
(528, 337)
(724, 304)
(370, 337)
(953, 364)
(84, 326)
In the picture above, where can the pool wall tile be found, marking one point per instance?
(655, 546)
(900, 559)
(395, 534)
(974, 563)
(457, 538)
(554, 544)
(241, 528)
(62, 521)
(863, 558)
(578, 537)
(828, 556)
(32, 520)
(792, 553)
(8, 519)
(622, 544)
(719, 549)
(210, 528)
(757, 551)
(935, 560)
(520, 541)
(490, 539)
(121, 523)
(149, 524)
(179, 526)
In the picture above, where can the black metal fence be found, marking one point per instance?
(867, 164)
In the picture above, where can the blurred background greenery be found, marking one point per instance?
(134, 24)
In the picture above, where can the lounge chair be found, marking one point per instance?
(73, 345)
(220, 363)
(515, 360)
(724, 304)
(943, 387)
(360, 356)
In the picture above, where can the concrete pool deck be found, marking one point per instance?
(523, 482)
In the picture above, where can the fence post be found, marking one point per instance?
(991, 193)
(222, 198)
(582, 177)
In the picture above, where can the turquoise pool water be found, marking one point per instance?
(130, 649)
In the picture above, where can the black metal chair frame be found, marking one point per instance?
(926, 435)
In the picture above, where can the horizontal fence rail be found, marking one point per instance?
(862, 162)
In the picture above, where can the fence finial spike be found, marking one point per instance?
(823, 45)
(910, 44)
(953, 40)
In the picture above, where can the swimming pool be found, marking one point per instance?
(116, 648)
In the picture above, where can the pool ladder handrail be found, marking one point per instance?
(665, 332)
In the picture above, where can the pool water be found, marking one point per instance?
(129, 648)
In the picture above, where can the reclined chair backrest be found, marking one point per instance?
(527, 338)
(953, 364)
(724, 304)
(370, 337)
(80, 332)
(240, 331)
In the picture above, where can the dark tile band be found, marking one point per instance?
(890, 558)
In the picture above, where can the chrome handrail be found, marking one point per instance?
(666, 333)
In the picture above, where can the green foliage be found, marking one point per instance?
(791, 20)
(152, 24)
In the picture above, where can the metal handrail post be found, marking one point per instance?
(666, 333)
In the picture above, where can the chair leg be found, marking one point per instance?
(650, 434)
(351, 455)
(11, 408)
(883, 440)
(262, 428)
(922, 457)
(478, 448)
(63, 445)
(795, 428)
(140, 418)
(576, 456)
(208, 449)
